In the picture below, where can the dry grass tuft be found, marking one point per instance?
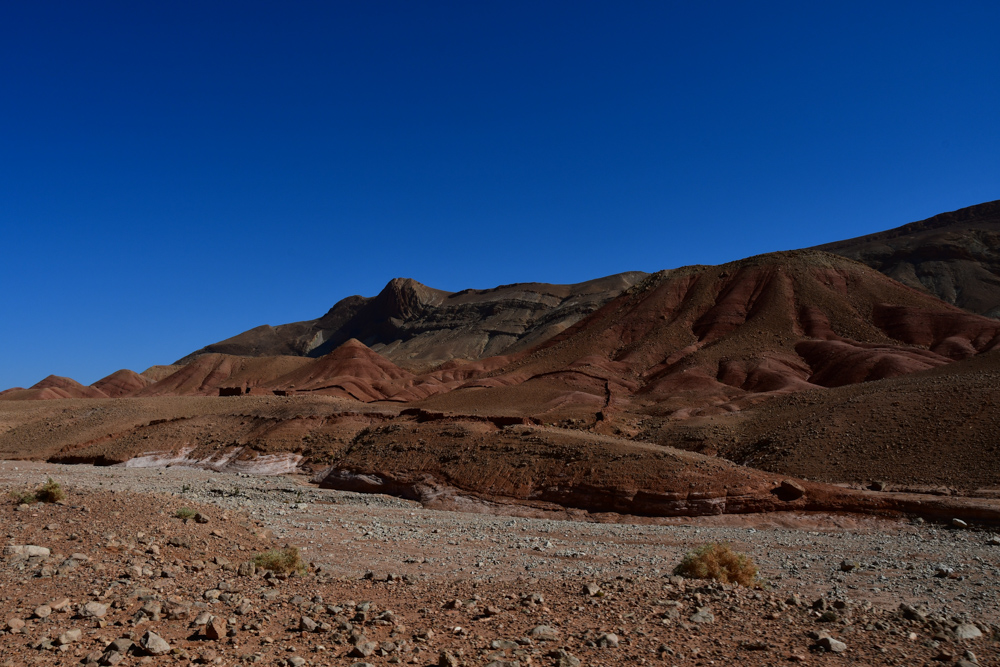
(185, 513)
(720, 563)
(50, 492)
(281, 561)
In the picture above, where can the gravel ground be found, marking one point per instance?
(952, 571)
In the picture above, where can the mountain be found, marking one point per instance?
(709, 339)
(418, 327)
(954, 256)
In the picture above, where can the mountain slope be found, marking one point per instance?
(419, 327)
(719, 338)
(954, 256)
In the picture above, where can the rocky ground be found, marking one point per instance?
(111, 576)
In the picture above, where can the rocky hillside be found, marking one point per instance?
(954, 256)
(417, 326)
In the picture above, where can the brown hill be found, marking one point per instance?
(420, 327)
(352, 370)
(954, 256)
(704, 339)
(206, 374)
(52, 387)
(121, 383)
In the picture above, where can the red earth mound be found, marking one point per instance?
(52, 387)
(121, 383)
(720, 338)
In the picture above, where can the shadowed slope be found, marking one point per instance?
(954, 256)
(420, 327)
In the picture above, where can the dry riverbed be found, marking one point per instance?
(393, 582)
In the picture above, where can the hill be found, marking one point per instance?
(954, 256)
(419, 327)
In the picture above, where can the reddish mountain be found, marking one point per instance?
(720, 338)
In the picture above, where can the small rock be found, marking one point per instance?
(69, 637)
(200, 518)
(92, 610)
(958, 523)
(544, 633)
(154, 644)
(564, 659)
(43, 611)
(448, 659)
(703, 615)
(608, 640)
(967, 631)
(306, 624)
(832, 645)
(848, 565)
(296, 661)
(14, 624)
(593, 590)
(215, 628)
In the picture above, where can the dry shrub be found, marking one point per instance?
(23, 497)
(720, 563)
(285, 560)
(185, 513)
(50, 492)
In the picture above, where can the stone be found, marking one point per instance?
(123, 645)
(703, 615)
(247, 569)
(848, 565)
(69, 637)
(296, 661)
(306, 624)
(34, 551)
(448, 659)
(15, 624)
(832, 645)
(154, 644)
(958, 523)
(967, 631)
(92, 610)
(42, 611)
(544, 633)
(112, 658)
(592, 590)
(608, 640)
(62, 604)
(216, 628)
(200, 518)
(363, 649)
(564, 659)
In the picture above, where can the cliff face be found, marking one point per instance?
(418, 326)
(954, 256)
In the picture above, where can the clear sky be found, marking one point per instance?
(173, 173)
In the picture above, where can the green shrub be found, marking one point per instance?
(720, 563)
(23, 497)
(50, 492)
(280, 561)
(185, 513)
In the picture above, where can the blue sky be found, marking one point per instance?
(174, 173)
